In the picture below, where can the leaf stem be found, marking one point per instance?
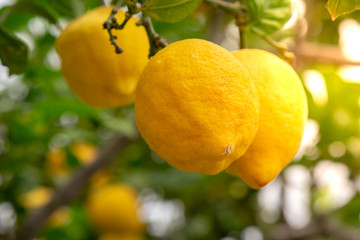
(156, 41)
(229, 7)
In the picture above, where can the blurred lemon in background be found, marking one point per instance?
(93, 70)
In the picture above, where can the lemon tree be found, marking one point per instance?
(96, 97)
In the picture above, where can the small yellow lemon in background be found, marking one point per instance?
(40, 196)
(283, 114)
(121, 236)
(57, 166)
(56, 157)
(96, 74)
(35, 198)
(196, 106)
(114, 208)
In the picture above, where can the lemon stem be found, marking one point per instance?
(156, 41)
(242, 43)
(281, 48)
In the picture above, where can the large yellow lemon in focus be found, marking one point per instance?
(114, 208)
(196, 106)
(96, 74)
(283, 114)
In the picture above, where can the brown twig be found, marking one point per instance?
(33, 224)
(323, 53)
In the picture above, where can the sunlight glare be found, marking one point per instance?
(298, 12)
(349, 32)
(332, 178)
(269, 200)
(297, 210)
(310, 138)
(315, 83)
(350, 74)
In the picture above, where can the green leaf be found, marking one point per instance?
(37, 7)
(13, 52)
(340, 7)
(268, 16)
(71, 159)
(171, 10)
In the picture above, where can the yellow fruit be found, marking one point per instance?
(40, 196)
(84, 152)
(120, 236)
(196, 106)
(36, 197)
(56, 163)
(56, 158)
(98, 75)
(283, 114)
(114, 207)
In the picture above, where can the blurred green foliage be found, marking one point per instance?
(38, 112)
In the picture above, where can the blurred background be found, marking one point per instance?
(46, 134)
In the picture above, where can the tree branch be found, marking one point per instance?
(33, 223)
(322, 53)
(321, 226)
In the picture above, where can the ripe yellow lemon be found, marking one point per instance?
(283, 114)
(114, 207)
(96, 74)
(196, 106)
(120, 236)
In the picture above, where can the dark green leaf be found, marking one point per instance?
(337, 8)
(268, 16)
(71, 159)
(64, 7)
(13, 52)
(36, 7)
(171, 10)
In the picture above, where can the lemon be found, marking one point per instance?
(93, 70)
(36, 198)
(283, 114)
(40, 196)
(58, 167)
(56, 157)
(196, 106)
(114, 207)
(120, 236)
